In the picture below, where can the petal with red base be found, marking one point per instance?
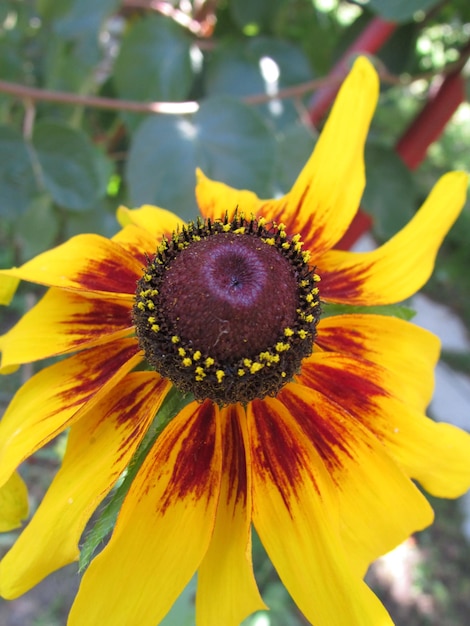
(435, 454)
(53, 399)
(99, 448)
(295, 512)
(137, 242)
(226, 572)
(370, 486)
(399, 268)
(326, 195)
(410, 352)
(87, 263)
(163, 530)
(64, 321)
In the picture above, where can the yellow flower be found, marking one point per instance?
(309, 427)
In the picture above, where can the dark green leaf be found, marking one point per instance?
(314, 30)
(101, 220)
(399, 10)
(227, 139)
(182, 611)
(459, 361)
(154, 61)
(390, 195)
(235, 146)
(260, 65)
(83, 16)
(17, 182)
(259, 13)
(397, 53)
(392, 310)
(296, 144)
(67, 160)
(161, 164)
(106, 520)
(37, 228)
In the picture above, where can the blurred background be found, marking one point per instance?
(118, 101)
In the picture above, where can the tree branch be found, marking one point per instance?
(181, 108)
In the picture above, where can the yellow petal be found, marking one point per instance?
(227, 590)
(435, 454)
(216, 199)
(295, 514)
(87, 263)
(326, 195)
(99, 448)
(52, 399)
(410, 352)
(400, 267)
(139, 243)
(13, 503)
(379, 505)
(163, 529)
(61, 322)
(8, 287)
(156, 221)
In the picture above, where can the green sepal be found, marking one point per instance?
(393, 310)
(106, 518)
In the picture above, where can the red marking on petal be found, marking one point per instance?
(337, 380)
(193, 465)
(103, 317)
(95, 367)
(347, 341)
(353, 394)
(278, 455)
(234, 458)
(345, 284)
(109, 275)
(329, 436)
(130, 408)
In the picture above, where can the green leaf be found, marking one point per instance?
(260, 65)
(101, 220)
(83, 16)
(459, 361)
(38, 228)
(17, 182)
(161, 165)
(226, 138)
(260, 13)
(235, 146)
(182, 611)
(106, 520)
(154, 61)
(398, 53)
(399, 10)
(390, 195)
(68, 163)
(296, 144)
(393, 310)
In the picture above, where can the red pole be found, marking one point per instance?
(427, 127)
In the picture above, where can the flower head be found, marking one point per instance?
(310, 426)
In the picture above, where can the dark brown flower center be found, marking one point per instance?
(230, 295)
(228, 310)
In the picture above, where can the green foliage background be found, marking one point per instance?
(64, 168)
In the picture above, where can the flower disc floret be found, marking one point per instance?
(227, 309)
